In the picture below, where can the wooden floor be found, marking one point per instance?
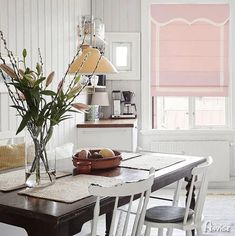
(219, 211)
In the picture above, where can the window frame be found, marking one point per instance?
(133, 40)
(191, 116)
(146, 99)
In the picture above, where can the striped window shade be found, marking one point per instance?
(189, 49)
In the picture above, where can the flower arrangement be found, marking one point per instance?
(40, 108)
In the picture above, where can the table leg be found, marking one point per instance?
(193, 201)
(45, 230)
(108, 219)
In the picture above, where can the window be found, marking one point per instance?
(171, 112)
(123, 50)
(189, 65)
(121, 56)
(189, 112)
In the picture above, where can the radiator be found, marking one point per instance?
(219, 150)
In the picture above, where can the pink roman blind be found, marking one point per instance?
(189, 49)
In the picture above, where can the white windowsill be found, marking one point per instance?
(189, 132)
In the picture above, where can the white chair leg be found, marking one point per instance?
(199, 232)
(188, 233)
(147, 231)
(160, 232)
(169, 232)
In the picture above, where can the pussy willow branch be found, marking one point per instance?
(67, 105)
(10, 55)
(41, 63)
(75, 76)
(81, 66)
(67, 71)
(40, 59)
(11, 94)
(13, 63)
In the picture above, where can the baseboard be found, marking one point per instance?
(223, 185)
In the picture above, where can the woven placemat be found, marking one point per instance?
(16, 179)
(129, 155)
(156, 160)
(70, 189)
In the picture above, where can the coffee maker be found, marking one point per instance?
(116, 97)
(129, 109)
(123, 109)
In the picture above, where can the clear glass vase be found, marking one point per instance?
(40, 162)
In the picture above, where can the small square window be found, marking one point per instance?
(121, 56)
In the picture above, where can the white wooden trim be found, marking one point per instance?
(231, 114)
(145, 66)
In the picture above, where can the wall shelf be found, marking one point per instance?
(95, 87)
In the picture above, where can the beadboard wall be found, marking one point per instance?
(120, 16)
(50, 25)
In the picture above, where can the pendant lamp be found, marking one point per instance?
(89, 61)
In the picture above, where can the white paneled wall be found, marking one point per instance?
(8, 118)
(220, 154)
(50, 25)
(120, 16)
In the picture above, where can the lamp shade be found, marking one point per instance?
(87, 61)
(100, 98)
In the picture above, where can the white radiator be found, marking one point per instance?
(219, 150)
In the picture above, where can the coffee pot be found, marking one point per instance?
(129, 109)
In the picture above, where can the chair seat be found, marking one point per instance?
(167, 214)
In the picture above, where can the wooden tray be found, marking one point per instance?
(100, 163)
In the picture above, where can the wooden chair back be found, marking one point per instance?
(142, 187)
(198, 173)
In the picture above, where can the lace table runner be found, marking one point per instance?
(15, 179)
(71, 188)
(156, 160)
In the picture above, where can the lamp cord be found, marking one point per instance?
(91, 33)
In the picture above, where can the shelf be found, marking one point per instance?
(96, 87)
(108, 123)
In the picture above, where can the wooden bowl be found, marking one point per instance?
(100, 163)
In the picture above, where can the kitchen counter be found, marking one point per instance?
(120, 134)
(109, 123)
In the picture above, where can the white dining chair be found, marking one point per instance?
(183, 218)
(142, 187)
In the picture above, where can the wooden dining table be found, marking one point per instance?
(41, 217)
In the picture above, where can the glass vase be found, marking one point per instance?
(40, 162)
